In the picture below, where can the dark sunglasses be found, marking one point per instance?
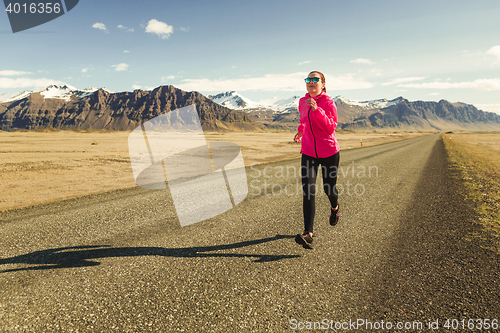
(314, 79)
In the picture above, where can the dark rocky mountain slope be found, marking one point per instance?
(421, 115)
(116, 111)
(399, 114)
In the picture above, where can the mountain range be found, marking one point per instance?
(66, 107)
(398, 113)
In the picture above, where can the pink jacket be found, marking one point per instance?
(318, 127)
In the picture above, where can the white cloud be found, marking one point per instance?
(468, 53)
(126, 51)
(305, 62)
(167, 79)
(376, 72)
(12, 73)
(495, 51)
(125, 28)
(362, 61)
(85, 70)
(136, 86)
(121, 67)
(273, 82)
(7, 83)
(403, 79)
(159, 28)
(184, 29)
(479, 84)
(99, 26)
(346, 82)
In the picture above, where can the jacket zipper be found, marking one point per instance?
(310, 125)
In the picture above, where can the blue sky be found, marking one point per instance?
(421, 50)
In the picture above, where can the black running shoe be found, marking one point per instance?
(305, 240)
(334, 217)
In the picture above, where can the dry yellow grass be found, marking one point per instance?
(37, 167)
(477, 156)
(43, 166)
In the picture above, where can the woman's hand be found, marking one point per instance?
(298, 137)
(312, 103)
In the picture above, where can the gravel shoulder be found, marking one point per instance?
(476, 159)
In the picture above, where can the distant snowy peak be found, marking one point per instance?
(235, 101)
(9, 97)
(286, 105)
(68, 92)
(65, 92)
(372, 104)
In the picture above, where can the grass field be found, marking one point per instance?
(477, 157)
(43, 166)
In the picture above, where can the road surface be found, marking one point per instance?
(120, 262)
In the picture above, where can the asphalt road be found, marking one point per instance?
(120, 262)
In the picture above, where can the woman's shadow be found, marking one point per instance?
(81, 256)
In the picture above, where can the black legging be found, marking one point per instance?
(309, 171)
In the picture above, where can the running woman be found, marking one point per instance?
(319, 146)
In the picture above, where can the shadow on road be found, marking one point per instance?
(81, 256)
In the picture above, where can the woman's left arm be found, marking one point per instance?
(326, 116)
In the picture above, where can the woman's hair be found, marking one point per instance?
(322, 78)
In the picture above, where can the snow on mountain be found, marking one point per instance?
(286, 105)
(7, 96)
(10, 97)
(372, 104)
(65, 92)
(235, 101)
